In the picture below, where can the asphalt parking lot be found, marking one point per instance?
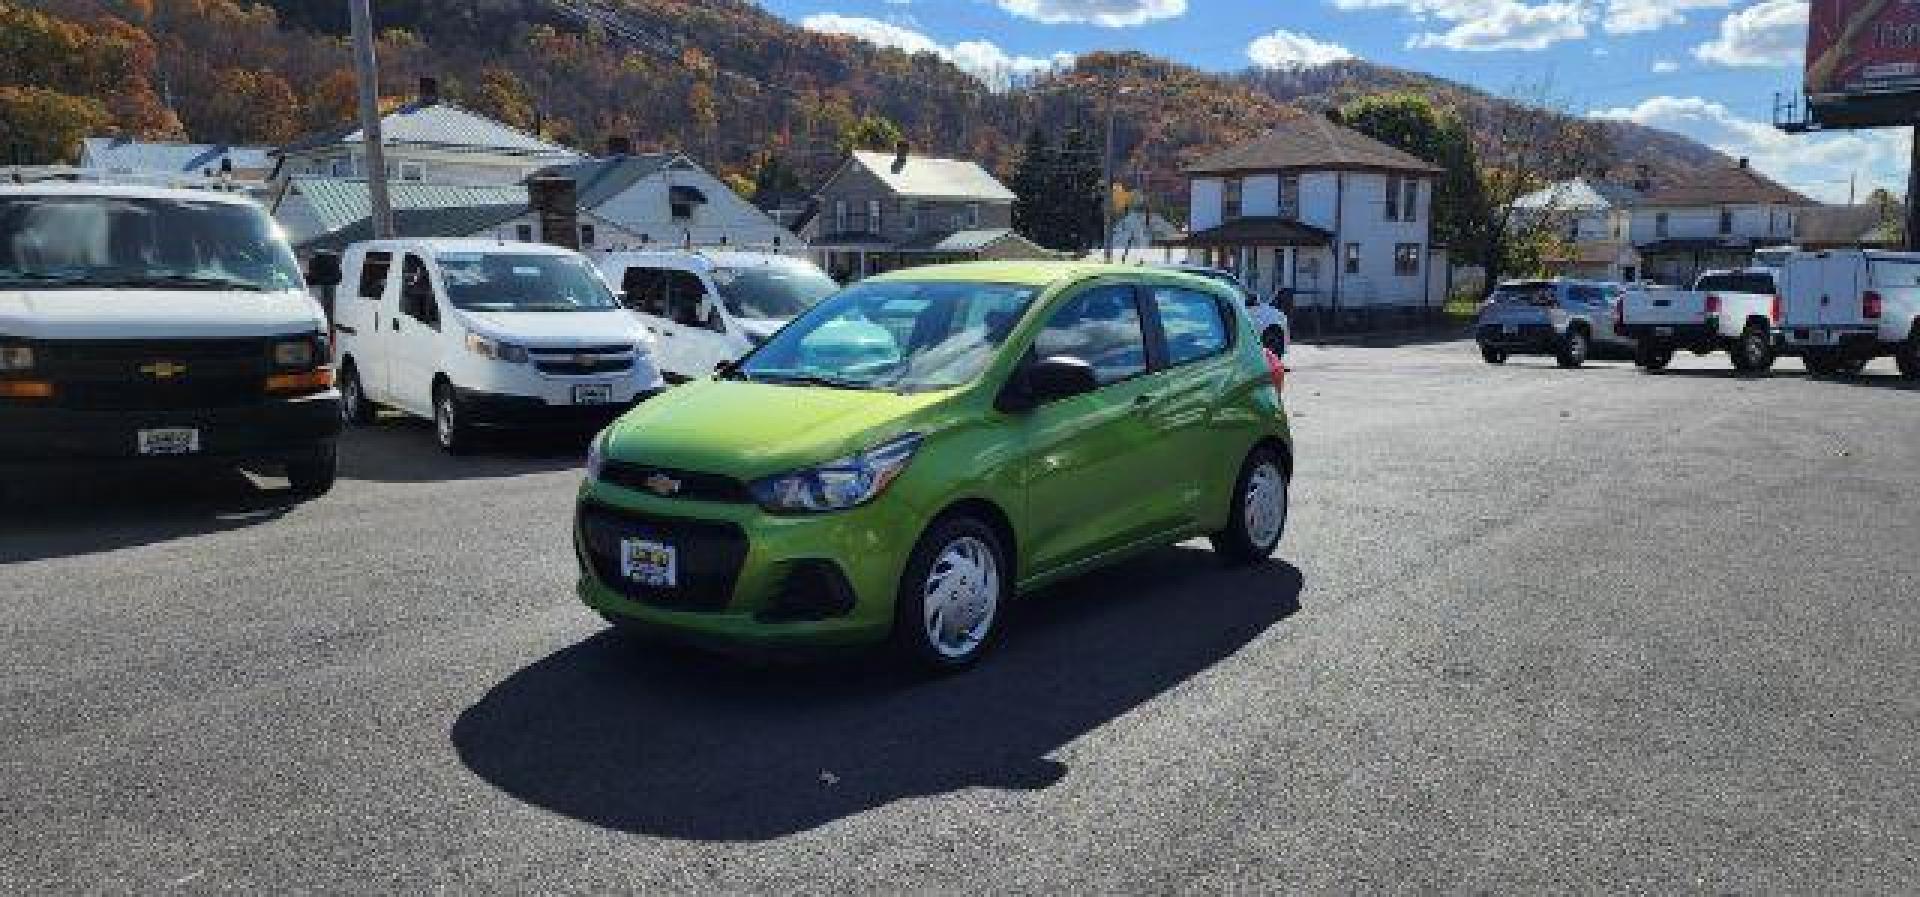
(1534, 630)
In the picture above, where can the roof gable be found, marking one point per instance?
(186, 158)
(1738, 185)
(926, 177)
(1580, 195)
(444, 125)
(599, 180)
(1310, 141)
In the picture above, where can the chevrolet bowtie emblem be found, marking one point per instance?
(161, 370)
(662, 485)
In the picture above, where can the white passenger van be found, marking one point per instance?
(1845, 307)
(477, 334)
(706, 308)
(151, 326)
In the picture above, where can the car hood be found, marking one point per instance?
(750, 430)
(155, 314)
(557, 329)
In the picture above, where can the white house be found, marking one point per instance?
(140, 161)
(664, 200)
(429, 141)
(1141, 237)
(1341, 219)
(1594, 218)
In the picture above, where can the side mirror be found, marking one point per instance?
(1050, 379)
(323, 270)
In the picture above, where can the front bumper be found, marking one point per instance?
(741, 568)
(275, 430)
(502, 411)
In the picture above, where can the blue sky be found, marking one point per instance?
(1705, 68)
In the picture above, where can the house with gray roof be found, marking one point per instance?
(882, 211)
(142, 159)
(1593, 219)
(428, 140)
(664, 200)
(313, 209)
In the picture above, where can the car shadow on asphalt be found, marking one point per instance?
(403, 450)
(65, 513)
(682, 745)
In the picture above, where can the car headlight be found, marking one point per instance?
(300, 353)
(496, 350)
(14, 359)
(597, 455)
(838, 485)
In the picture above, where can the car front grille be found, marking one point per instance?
(709, 556)
(670, 483)
(155, 375)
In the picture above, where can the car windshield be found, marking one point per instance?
(775, 290)
(896, 335)
(1524, 294)
(79, 241)
(523, 281)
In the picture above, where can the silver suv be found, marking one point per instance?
(1572, 320)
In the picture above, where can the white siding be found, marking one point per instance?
(1364, 222)
(1206, 197)
(1317, 192)
(725, 218)
(1260, 196)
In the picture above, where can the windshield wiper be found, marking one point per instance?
(179, 281)
(797, 379)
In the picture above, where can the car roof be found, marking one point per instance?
(127, 191)
(466, 244)
(1036, 273)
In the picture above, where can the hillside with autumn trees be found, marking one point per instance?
(720, 79)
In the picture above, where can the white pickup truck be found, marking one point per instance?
(1846, 307)
(1731, 311)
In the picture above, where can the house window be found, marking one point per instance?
(1406, 259)
(411, 171)
(523, 233)
(1616, 228)
(973, 215)
(1393, 197)
(873, 216)
(1230, 201)
(681, 209)
(1573, 230)
(343, 168)
(586, 235)
(1726, 221)
(913, 217)
(1290, 197)
(1410, 199)
(1353, 258)
(840, 216)
(1660, 225)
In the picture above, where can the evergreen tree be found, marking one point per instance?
(1033, 189)
(1082, 194)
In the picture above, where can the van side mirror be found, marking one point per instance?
(323, 270)
(1050, 379)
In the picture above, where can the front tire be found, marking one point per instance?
(450, 426)
(1907, 357)
(314, 477)
(355, 408)
(947, 612)
(1492, 356)
(1753, 352)
(1257, 517)
(1574, 348)
(1652, 357)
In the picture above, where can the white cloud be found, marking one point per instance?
(982, 59)
(1768, 33)
(1291, 50)
(1482, 25)
(1632, 16)
(1106, 13)
(1815, 164)
(1665, 66)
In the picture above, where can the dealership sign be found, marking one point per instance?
(1862, 55)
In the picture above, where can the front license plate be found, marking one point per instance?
(650, 563)
(1663, 331)
(169, 441)
(1510, 329)
(592, 394)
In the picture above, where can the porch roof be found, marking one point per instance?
(1263, 231)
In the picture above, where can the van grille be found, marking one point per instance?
(155, 375)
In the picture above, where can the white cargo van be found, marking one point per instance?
(141, 325)
(1846, 307)
(706, 308)
(478, 334)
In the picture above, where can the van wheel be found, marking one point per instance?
(1573, 348)
(314, 477)
(450, 425)
(1275, 340)
(1908, 357)
(1257, 515)
(354, 405)
(1492, 356)
(1652, 357)
(957, 583)
(1753, 351)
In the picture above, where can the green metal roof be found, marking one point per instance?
(339, 202)
(457, 221)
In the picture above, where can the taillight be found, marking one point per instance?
(1276, 369)
(1870, 305)
(1779, 311)
(1713, 304)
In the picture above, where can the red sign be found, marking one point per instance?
(1857, 47)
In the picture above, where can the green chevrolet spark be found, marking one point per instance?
(911, 454)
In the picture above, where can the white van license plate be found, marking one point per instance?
(650, 563)
(593, 394)
(169, 441)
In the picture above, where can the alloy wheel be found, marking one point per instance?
(1266, 505)
(443, 420)
(961, 597)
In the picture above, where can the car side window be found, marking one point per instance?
(373, 275)
(1194, 324)
(645, 290)
(1102, 327)
(685, 293)
(416, 293)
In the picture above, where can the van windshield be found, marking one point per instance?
(901, 336)
(777, 290)
(76, 241)
(522, 281)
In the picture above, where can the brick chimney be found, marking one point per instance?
(900, 152)
(619, 145)
(429, 90)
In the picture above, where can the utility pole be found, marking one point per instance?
(1913, 194)
(1106, 180)
(368, 70)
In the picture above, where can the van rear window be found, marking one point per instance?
(1755, 283)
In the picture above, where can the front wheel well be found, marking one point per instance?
(1760, 322)
(990, 514)
(1281, 448)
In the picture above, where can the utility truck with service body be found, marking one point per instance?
(1846, 307)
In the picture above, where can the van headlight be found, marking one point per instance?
(838, 485)
(302, 353)
(495, 350)
(14, 359)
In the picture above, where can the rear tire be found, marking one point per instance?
(1851, 367)
(1493, 356)
(1908, 357)
(314, 477)
(1651, 357)
(1257, 515)
(952, 596)
(1752, 353)
(1574, 348)
(450, 427)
